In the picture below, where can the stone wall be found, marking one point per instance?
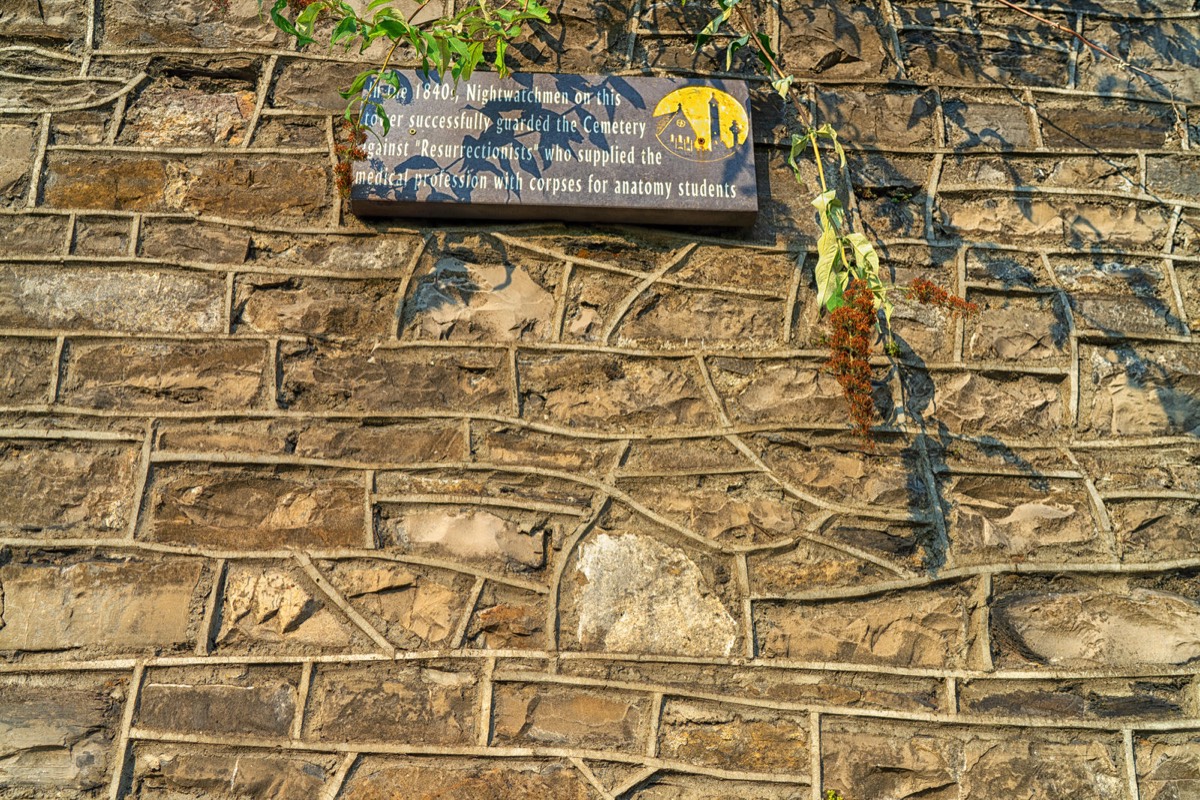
(299, 506)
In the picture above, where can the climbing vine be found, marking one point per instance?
(851, 291)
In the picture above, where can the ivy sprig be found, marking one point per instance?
(453, 46)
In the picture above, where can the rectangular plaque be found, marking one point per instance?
(567, 147)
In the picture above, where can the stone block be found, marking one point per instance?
(33, 235)
(1118, 294)
(413, 607)
(1044, 766)
(774, 391)
(1155, 530)
(101, 236)
(898, 214)
(290, 132)
(17, 144)
(808, 567)
(1059, 220)
(1077, 626)
(153, 375)
(427, 704)
(1163, 47)
(495, 443)
(584, 37)
(191, 23)
(593, 296)
(178, 770)
(733, 509)
(972, 125)
(1151, 469)
(110, 299)
(1000, 519)
(254, 507)
(549, 715)
(835, 41)
(205, 111)
(315, 307)
(675, 456)
(57, 732)
(288, 252)
(1069, 172)
(456, 300)
(884, 120)
(330, 378)
(514, 490)
(917, 628)
(614, 392)
(272, 607)
(1008, 403)
(1092, 699)
(1139, 389)
(55, 22)
(462, 779)
(669, 318)
(508, 540)
(873, 174)
(1176, 177)
(187, 241)
(251, 701)
(125, 606)
(1005, 269)
(67, 489)
(680, 786)
(371, 441)
(734, 737)
(676, 52)
(506, 618)
(881, 691)
(1189, 287)
(629, 593)
(1105, 124)
(945, 57)
(894, 760)
(737, 267)
(907, 544)
(85, 126)
(296, 189)
(312, 86)
(1017, 328)
(27, 367)
(1168, 765)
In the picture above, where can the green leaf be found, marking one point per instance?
(734, 46)
(829, 206)
(306, 21)
(283, 23)
(827, 258)
(345, 31)
(357, 86)
(838, 297)
(501, 67)
(865, 258)
(393, 28)
(783, 85)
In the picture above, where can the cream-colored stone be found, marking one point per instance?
(641, 596)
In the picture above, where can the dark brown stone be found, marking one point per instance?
(255, 508)
(136, 374)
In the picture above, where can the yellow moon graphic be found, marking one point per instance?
(700, 123)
